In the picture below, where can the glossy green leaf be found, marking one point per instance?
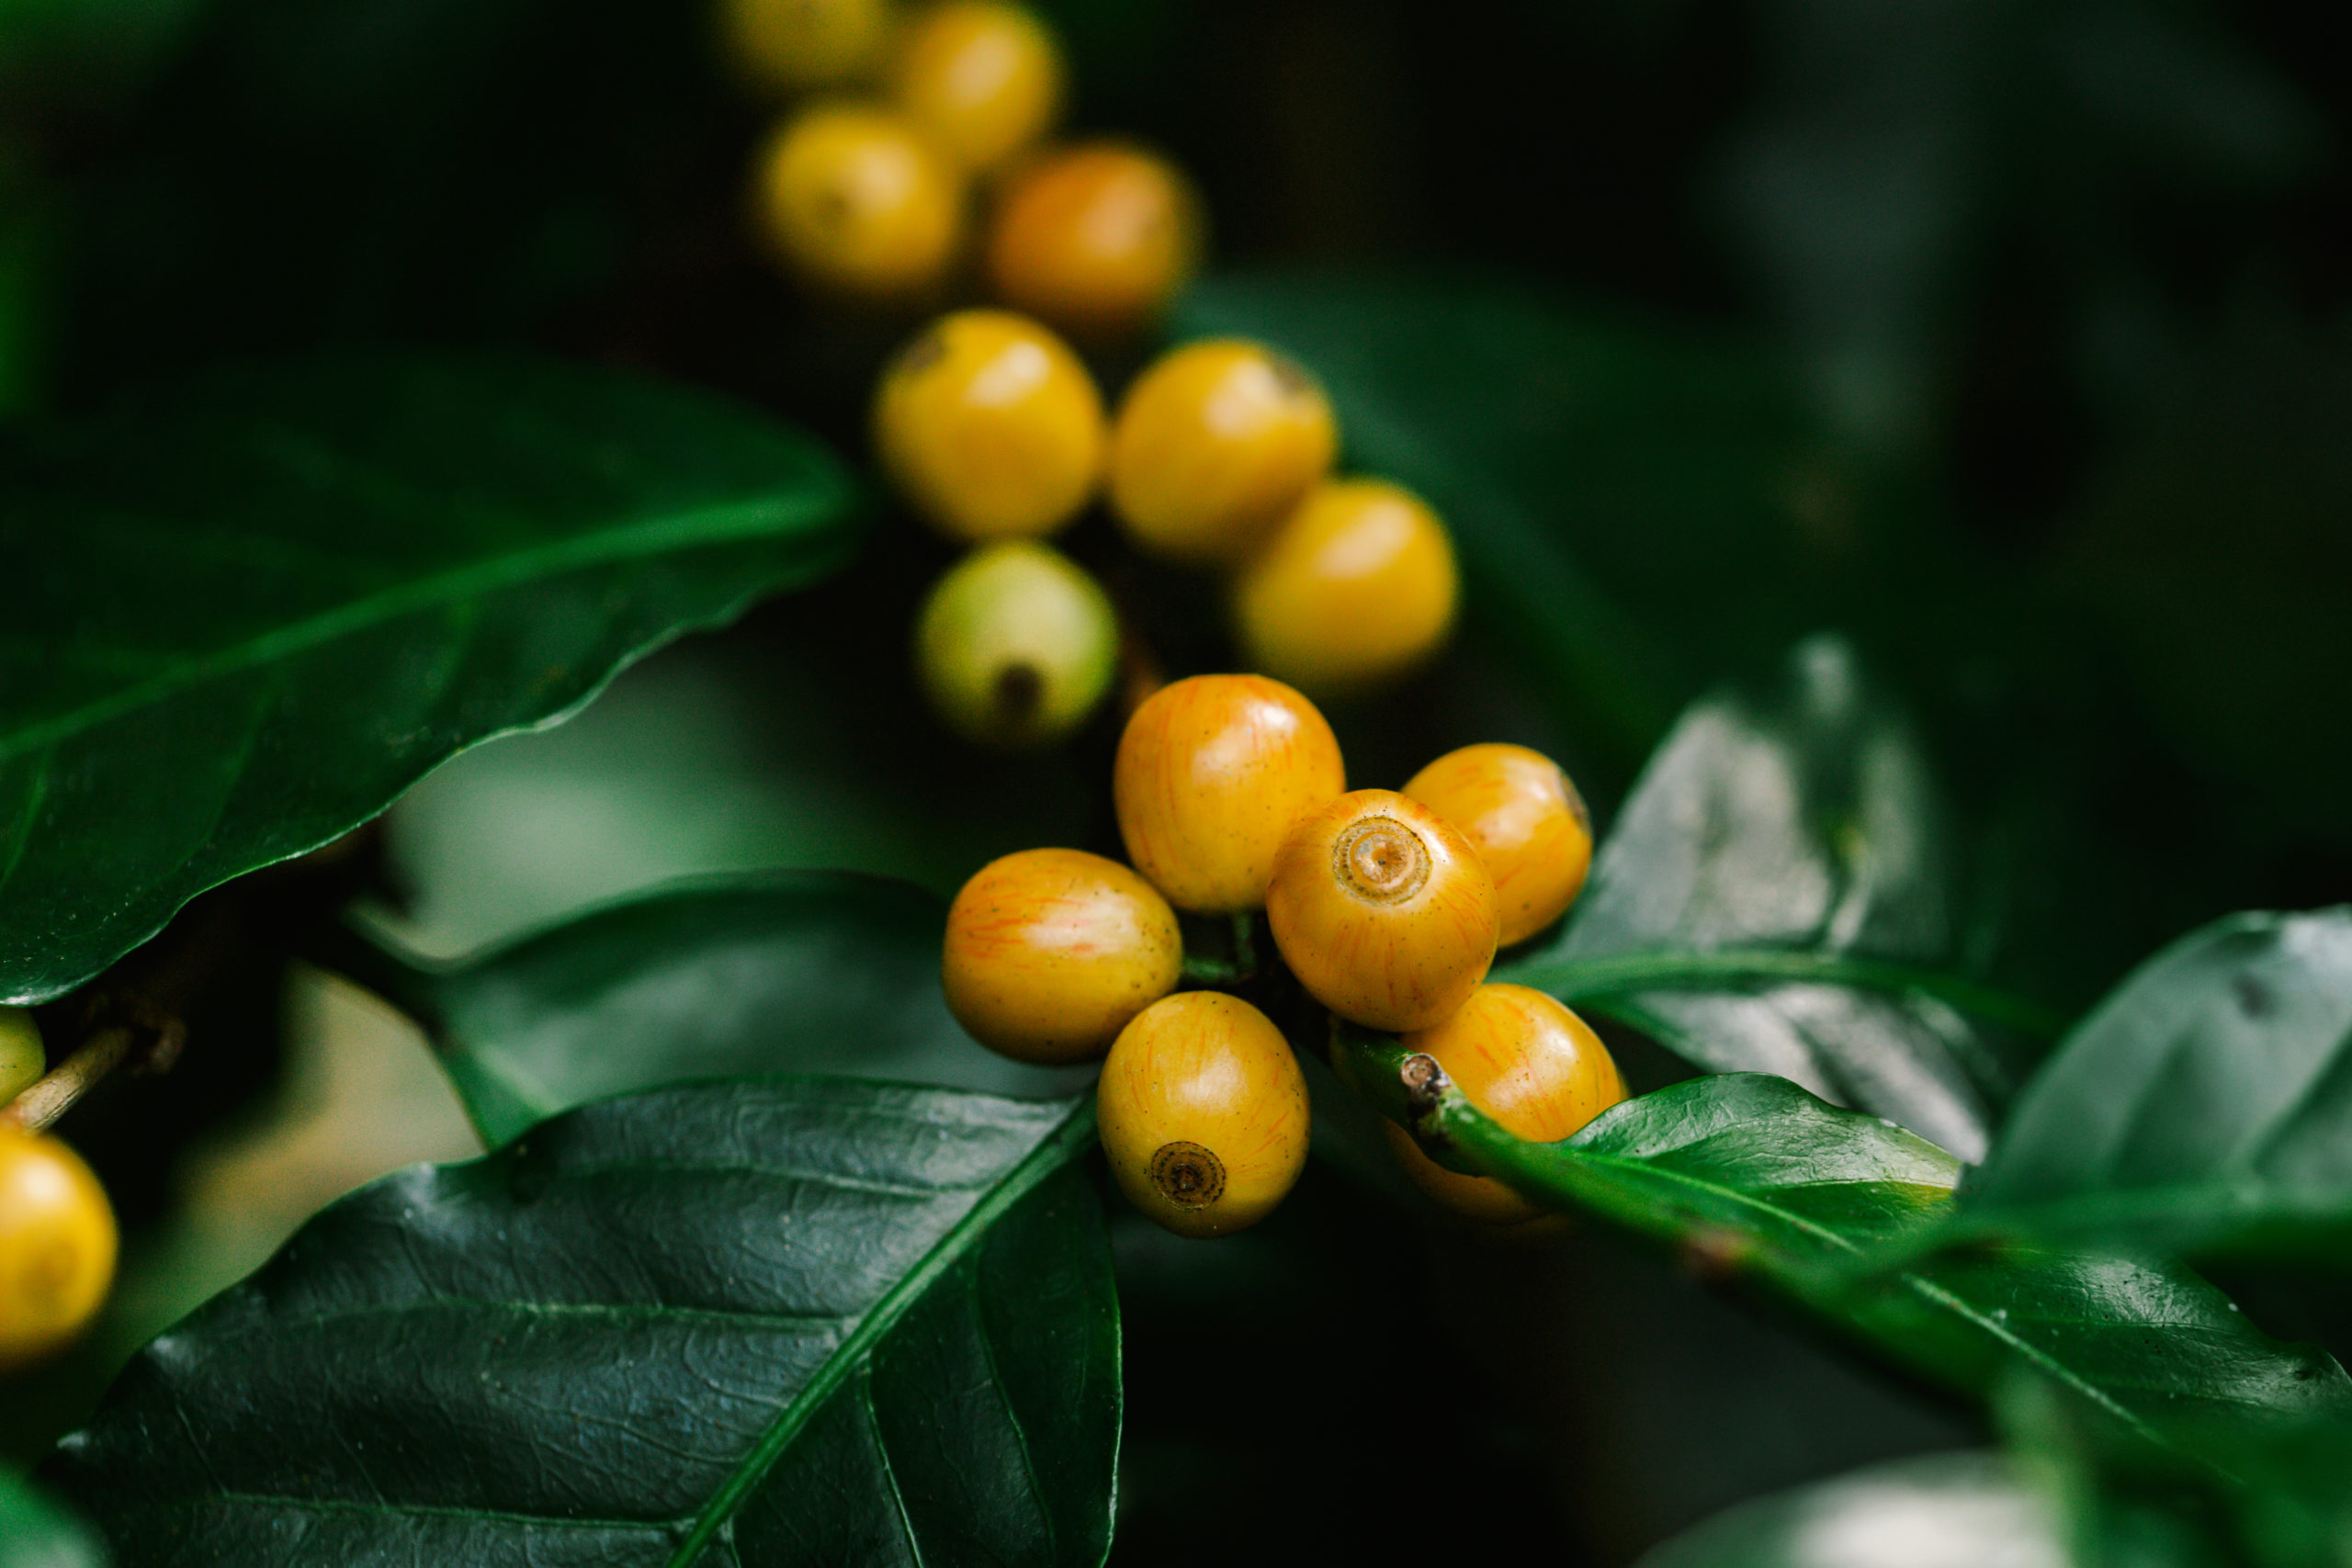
(786, 1321)
(2206, 1107)
(1781, 895)
(1953, 1510)
(1633, 507)
(1751, 1178)
(2217, 1495)
(36, 1533)
(252, 609)
(813, 972)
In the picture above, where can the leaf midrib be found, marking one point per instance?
(1065, 1143)
(1911, 1280)
(637, 539)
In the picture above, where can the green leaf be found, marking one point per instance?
(36, 1533)
(790, 972)
(2265, 1495)
(1633, 508)
(1782, 894)
(252, 609)
(1751, 1178)
(777, 1322)
(2205, 1108)
(1951, 1510)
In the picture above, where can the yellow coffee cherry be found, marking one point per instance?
(1050, 952)
(1096, 239)
(785, 46)
(1214, 445)
(1528, 821)
(21, 1060)
(1203, 1112)
(984, 78)
(991, 427)
(1384, 912)
(1534, 1068)
(1212, 775)
(1016, 644)
(1358, 587)
(57, 1246)
(858, 201)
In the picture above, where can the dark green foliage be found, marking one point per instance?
(2205, 1108)
(794, 972)
(250, 609)
(1753, 1178)
(770, 1322)
(1784, 893)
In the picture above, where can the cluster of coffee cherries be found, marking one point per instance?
(57, 1231)
(1386, 908)
(1220, 459)
(868, 189)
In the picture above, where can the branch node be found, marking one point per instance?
(1425, 1083)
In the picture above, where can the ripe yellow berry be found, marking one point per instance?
(783, 46)
(983, 77)
(1095, 239)
(1203, 1112)
(1528, 821)
(1357, 587)
(1383, 912)
(1016, 644)
(22, 1061)
(1530, 1064)
(991, 427)
(57, 1246)
(858, 201)
(1214, 445)
(1212, 775)
(1050, 952)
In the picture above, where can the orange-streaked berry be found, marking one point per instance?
(1384, 912)
(1214, 446)
(983, 77)
(57, 1246)
(1537, 1070)
(1050, 952)
(991, 427)
(1212, 773)
(1095, 238)
(856, 201)
(1528, 821)
(1203, 1112)
(1357, 587)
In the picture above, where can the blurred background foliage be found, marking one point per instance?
(2009, 337)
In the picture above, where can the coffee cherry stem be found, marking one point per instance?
(1244, 942)
(143, 1048)
(1201, 970)
(1412, 1090)
(1236, 964)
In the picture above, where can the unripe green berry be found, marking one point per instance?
(1016, 644)
(22, 1061)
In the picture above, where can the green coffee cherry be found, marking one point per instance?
(22, 1061)
(1016, 644)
